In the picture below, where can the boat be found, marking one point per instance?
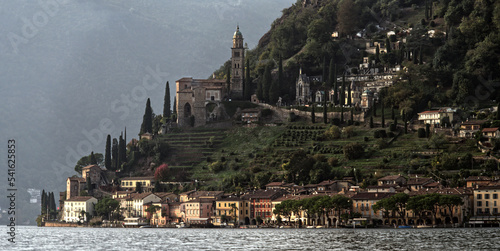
(145, 226)
(404, 226)
(181, 225)
(424, 226)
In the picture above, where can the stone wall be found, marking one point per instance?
(284, 114)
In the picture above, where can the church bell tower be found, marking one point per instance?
(237, 65)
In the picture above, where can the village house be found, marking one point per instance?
(415, 184)
(231, 210)
(250, 116)
(486, 200)
(363, 203)
(473, 181)
(260, 204)
(94, 172)
(388, 188)
(198, 211)
(193, 195)
(469, 128)
(79, 208)
(491, 132)
(133, 206)
(130, 183)
(392, 180)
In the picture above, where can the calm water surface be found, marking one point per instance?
(33, 238)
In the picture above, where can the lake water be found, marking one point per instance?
(33, 238)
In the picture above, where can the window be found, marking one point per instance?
(487, 204)
(487, 196)
(495, 210)
(479, 197)
(495, 196)
(487, 210)
(479, 204)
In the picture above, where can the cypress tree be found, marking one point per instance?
(89, 185)
(498, 111)
(371, 122)
(374, 108)
(352, 116)
(420, 55)
(267, 81)
(274, 92)
(114, 155)
(166, 103)
(174, 109)
(228, 80)
(415, 56)
(342, 91)
(396, 122)
(377, 54)
(248, 82)
(324, 69)
(342, 114)
(335, 92)
(387, 45)
(122, 151)
(43, 205)
(349, 99)
(147, 121)
(280, 76)
(313, 116)
(331, 74)
(52, 202)
(392, 113)
(383, 117)
(107, 154)
(427, 130)
(325, 118)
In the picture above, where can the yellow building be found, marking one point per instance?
(231, 210)
(130, 183)
(363, 203)
(486, 200)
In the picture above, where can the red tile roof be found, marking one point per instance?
(493, 129)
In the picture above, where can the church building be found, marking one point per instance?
(195, 96)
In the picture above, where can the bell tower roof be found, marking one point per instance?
(237, 33)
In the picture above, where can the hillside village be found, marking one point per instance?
(333, 153)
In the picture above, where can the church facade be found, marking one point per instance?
(198, 101)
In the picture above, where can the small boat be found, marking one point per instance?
(424, 226)
(145, 226)
(181, 225)
(404, 226)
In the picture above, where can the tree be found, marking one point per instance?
(274, 92)
(387, 45)
(340, 203)
(166, 103)
(349, 99)
(331, 74)
(122, 150)
(325, 117)
(383, 117)
(106, 206)
(395, 203)
(107, 156)
(266, 82)
(313, 114)
(450, 201)
(114, 155)
(335, 88)
(353, 151)
(248, 82)
(138, 187)
(228, 80)
(342, 91)
(93, 160)
(147, 121)
(377, 54)
(151, 210)
(371, 122)
(87, 160)
(162, 172)
(347, 17)
(174, 109)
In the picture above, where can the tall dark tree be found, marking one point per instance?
(248, 82)
(347, 17)
(147, 121)
(122, 151)
(281, 80)
(352, 115)
(498, 111)
(371, 122)
(115, 155)
(93, 160)
(107, 154)
(228, 80)
(342, 114)
(52, 201)
(335, 88)
(383, 116)
(43, 206)
(331, 74)
(89, 186)
(377, 54)
(266, 82)
(342, 91)
(174, 109)
(313, 115)
(387, 45)
(166, 103)
(324, 69)
(392, 113)
(349, 98)
(325, 117)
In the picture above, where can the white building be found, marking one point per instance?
(74, 206)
